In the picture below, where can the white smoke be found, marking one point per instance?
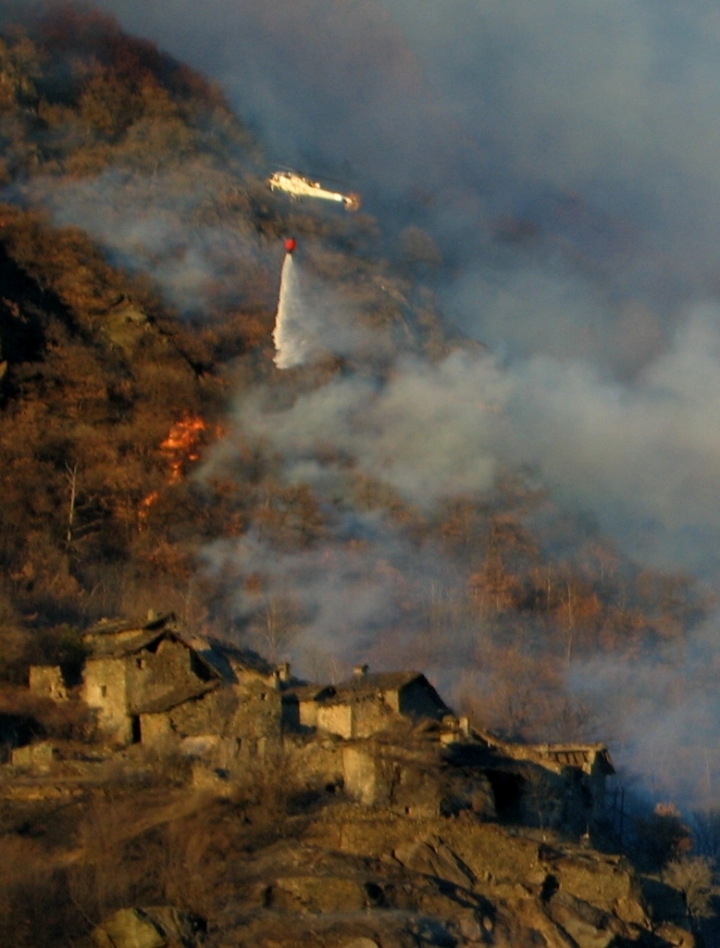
(164, 225)
(634, 455)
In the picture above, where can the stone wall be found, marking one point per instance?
(257, 715)
(369, 716)
(361, 777)
(47, 681)
(37, 757)
(316, 763)
(336, 719)
(413, 783)
(308, 713)
(170, 671)
(156, 732)
(418, 699)
(105, 691)
(359, 718)
(251, 716)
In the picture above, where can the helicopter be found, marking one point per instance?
(298, 186)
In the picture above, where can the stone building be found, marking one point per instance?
(583, 770)
(367, 703)
(301, 702)
(410, 771)
(149, 685)
(135, 669)
(443, 768)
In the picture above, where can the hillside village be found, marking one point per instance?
(393, 793)
(385, 738)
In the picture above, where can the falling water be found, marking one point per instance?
(294, 325)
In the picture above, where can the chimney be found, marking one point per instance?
(283, 671)
(359, 671)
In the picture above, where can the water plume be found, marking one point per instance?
(295, 333)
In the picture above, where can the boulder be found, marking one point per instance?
(318, 894)
(433, 857)
(676, 936)
(589, 927)
(155, 927)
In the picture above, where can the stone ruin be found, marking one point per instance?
(388, 739)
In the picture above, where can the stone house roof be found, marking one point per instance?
(114, 626)
(586, 757)
(120, 646)
(171, 699)
(228, 660)
(118, 638)
(373, 685)
(301, 691)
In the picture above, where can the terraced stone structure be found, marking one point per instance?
(387, 739)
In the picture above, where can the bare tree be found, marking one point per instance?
(706, 833)
(71, 476)
(692, 876)
(278, 623)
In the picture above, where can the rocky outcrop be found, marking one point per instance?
(356, 877)
(156, 927)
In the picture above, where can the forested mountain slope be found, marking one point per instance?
(140, 254)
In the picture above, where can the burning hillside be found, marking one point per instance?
(182, 445)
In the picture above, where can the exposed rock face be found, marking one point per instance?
(361, 878)
(331, 873)
(156, 927)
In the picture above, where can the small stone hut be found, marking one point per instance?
(243, 717)
(301, 703)
(368, 703)
(583, 767)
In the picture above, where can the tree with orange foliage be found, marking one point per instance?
(510, 550)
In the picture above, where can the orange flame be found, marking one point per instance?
(182, 444)
(144, 508)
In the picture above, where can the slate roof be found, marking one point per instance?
(361, 687)
(112, 647)
(115, 626)
(562, 755)
(120, 637)
(223, 655)
(579, 755)
(173, 697)
(307, 692)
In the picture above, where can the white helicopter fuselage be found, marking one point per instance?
(298, 187)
